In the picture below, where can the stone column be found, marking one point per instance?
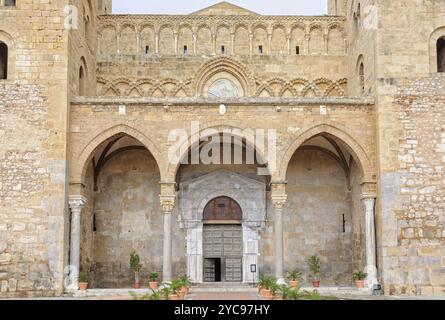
(250, 43)
(138, 43)
(194, 43)
(76, 204)
(326, 45)
(118, 43)
(214, 43)
(279, 198)
(99, 43)
(175, 37)
(157, 43)
(308, 41)
(269, 41)
(232, 44)
(288, 45)
(167, 198)
(371, 268)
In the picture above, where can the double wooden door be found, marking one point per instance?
(222, 246)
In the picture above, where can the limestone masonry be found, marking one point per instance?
(352, 169)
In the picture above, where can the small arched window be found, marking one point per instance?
(359, 15)
(361, 74)
(3, 61)
(9, 3)
(81, 81)
(440, 46)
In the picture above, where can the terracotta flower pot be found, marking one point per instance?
(153, 285)
(184, 291)
(360, 284)
(293, 283)
(83, 286)
(316, 283)
(136, 285)
(267, 294)
(175, 297)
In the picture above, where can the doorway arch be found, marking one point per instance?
(197, 194)
(222, 209)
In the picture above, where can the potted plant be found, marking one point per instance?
(294, 276)
(274, 288)
(315, 269)
(268, 288)
(154, 276)
(83, 281)
(261, 283)
(359, 278)
(185, 282)
(174, 288)
(165, 291)
(136, 266)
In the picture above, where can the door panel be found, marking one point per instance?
(233, 270)
(209, 270)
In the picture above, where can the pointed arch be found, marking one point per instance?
(173, 168)
(80, 163)
(227, 65)
(354, 148)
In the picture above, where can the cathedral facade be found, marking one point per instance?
(223, 144)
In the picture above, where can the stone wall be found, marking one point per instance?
(420, 215)
(409, 106)
(33, 122)
(128, 217)
(205, 35)
(144, 55)
(318, 200)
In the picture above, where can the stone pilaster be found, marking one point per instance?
(279, 198)
(76, 204)
(167, 199)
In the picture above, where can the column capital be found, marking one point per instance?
(279, 200)
(167, 203)
(278, 195)
(368, 189)
(367, 197)
(77, 202)
(278, 187)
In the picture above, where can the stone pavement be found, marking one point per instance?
(230, 296)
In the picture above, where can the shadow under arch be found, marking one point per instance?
(204, 134)
(80, 166)
(352, 146)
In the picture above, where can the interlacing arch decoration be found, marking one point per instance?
(301, 87)
(143, 87)
(275, 87)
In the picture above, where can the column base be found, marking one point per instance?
(73, 287)
(281, 281)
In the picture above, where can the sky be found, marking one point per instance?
(266, 7)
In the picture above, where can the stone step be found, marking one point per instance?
(223, 287)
